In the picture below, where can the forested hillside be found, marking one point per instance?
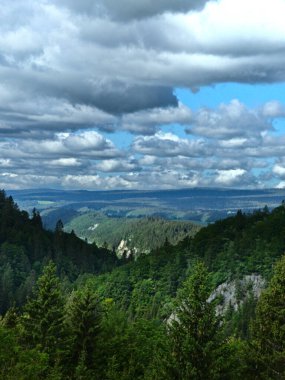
(155, 318)
(231, 248)
(130, 236)
(25, 247)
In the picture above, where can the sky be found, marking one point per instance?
(142, 94)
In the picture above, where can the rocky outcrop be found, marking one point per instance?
(234, 293)
(123, 250)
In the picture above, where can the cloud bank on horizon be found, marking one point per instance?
(89, 93)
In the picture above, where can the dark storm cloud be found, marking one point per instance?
(125, 10)
(126, 67)
(110, 96)
(121, 99)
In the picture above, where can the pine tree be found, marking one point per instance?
(269, 328)
(11, 318)
(59, 227)
(6, 287)
(84, 318)
(36, 219)
(81, 371)
(42, 320)
(194, 330)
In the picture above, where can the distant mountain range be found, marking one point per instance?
(202, 205)
(134, 222)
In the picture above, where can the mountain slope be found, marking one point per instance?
(239, 246)
(25, 247)
(130, 236)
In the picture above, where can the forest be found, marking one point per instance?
(71, 310)
(139, 235)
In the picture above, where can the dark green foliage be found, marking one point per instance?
(194, 330)
(42, 320)
(269, 328)
(59, 227)
(144, 234)
(81, 370)
(114, 325)
(237, 323)
(88, 340)
(25, 247)
(146, 286)
(8, 351)
(36, 219)
(84, 314)
(127, 350)
(239, 245)
(11, 318)
(242, 244)
(142, 297)
(17, 362)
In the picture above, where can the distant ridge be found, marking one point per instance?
(202, 205)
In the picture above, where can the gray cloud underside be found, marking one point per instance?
(70, 69)
(126, 10)
(50, 52)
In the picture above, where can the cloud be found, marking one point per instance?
(233, 121)
(230, 177)
(72, 73)
(279, 170)
(281, 185)
(273, 109)
(86, 141)
(65, 145)
(182, 163)
(15, 181)
(117, 166)
(38, 116)
(168, 145)
(136, 65)
(163, 180)
(241, 141)
(147, 122)
(5, 162)
(94, 182)
(126, 10)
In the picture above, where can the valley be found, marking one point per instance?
(202, 205)
(135, 222)
(129, 236)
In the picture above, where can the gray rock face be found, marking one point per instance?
(234, 293)
(124, 250)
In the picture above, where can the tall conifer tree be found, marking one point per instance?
(42, 320)
(269, 328)
(84, 319)
(194, 330)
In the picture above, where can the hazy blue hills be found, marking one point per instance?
(198, 204)
(133, 222)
